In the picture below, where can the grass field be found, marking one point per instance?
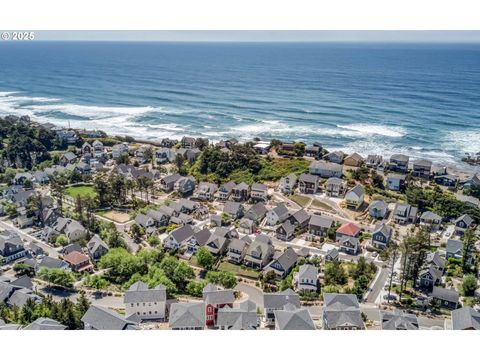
(226, 266)
(300, 200)
(318, 204)
(82, 190)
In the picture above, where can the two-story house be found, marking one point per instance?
(145, 303)
(381, 236)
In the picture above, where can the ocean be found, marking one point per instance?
(419, 99)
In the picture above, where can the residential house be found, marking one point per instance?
(185, 185)
(206, 191)
(436, 260)
(167, 183)
(396, 182)
(282, 263)
(256, 212)
(454, 249)
(119, 150)
(240, 192)
(246, 226)
(276, 301)
(291, 318)
(398, 320)
(313, 151)
(262, 147)
(355, 197)
(168, 143)
(374, 161)
(285, 231)
(463, 223)
(234, 209)
(22, 178)
(378, 209)
(52, 263)
(145, 303)
(218, 241)
(146, 222)
(178, 237)
(448, 180)
(75, 230)
(341, 312)
(335, 187)
(44, 323)
(187, 142)
(404, 214)
(238, 248)
(239, 317)
(308, 184)
(287, 183)
(422, 168)
(468, 200)
(215, 299)
(326, 169)
(399, 162)
(335, 157)
(447, 298)
(431, 220)
(98, 148)
(78, 262)
(465, 318)
(347, 236)
(97, 248)
(300, 219)
(354, 160)
(102, 318)
(259, 252)
(259, 192)
(331, 255)
(159, 217)
(319, 225)
(225, 191)
(165, 155)
(430, 277)
(381, 236)
(306, 279)
(187, 316)
(68, 158)
(11, 247)
(277, 215)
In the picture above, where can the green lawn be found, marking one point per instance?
(82, 190)
(300, 200)
(226, 266)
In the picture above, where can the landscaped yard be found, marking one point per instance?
(82, 190)
(226, 266)
(300, 200)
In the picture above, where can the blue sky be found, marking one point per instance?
(253, 35)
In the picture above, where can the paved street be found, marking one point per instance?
(254, 294)
(378, 284)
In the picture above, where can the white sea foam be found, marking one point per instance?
(370, 129)
(93, 112)
(465, 141)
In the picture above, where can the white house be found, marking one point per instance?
(146, 303)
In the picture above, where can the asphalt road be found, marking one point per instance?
(377, 286)
(254, 294)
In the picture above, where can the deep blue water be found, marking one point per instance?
(423, 100)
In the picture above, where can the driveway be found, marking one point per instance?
(254, 294)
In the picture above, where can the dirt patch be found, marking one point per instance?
(117, 216)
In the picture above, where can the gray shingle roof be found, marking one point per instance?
(215, 296)
(465, 318)
(342, 310)
(139, 292)
(187, 315)
(280, 210)
(280, 299)
(398, 321)
(307, 271)
(445, 294)
(320, 221)
(358, 190)
(237, 318)
(454, 246)
(294, 319)
(45, 324)
(102, 318)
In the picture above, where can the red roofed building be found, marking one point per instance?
(78, 261)
(348, 229)
(348, 238)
